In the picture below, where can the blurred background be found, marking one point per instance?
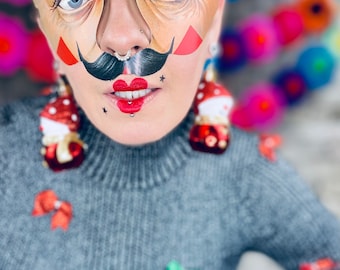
(278, 57)
(25, 60)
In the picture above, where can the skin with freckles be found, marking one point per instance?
(97, 27)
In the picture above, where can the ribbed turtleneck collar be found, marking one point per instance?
(126, 167)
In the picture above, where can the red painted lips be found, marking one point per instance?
(130, 106)
(136, 84)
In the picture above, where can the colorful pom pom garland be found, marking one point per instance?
(307, 25)
(13, 44)
(23, 48)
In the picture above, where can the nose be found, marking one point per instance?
(122, 29)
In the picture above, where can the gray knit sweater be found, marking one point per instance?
(139, 208)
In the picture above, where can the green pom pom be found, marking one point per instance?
(173, 265)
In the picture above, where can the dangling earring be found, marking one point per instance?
(212, 106)
(59, 122)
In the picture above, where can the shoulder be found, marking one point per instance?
(20, 115)
(22, 109)
(265, 177)
(19, 126)
(260, 162)
(252, 160)
(247, 149)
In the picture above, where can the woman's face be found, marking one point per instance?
(134, 65)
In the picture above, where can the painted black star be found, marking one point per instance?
(162, 78)
(104, 110)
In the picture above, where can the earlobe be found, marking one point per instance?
(215, 30)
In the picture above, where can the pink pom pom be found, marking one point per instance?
(288, 23)
(13, 45)
(260, 38)
(261, 108)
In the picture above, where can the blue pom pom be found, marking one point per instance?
(317, 65)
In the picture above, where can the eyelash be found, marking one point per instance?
(55, 4)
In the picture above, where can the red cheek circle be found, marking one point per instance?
(65, 54)
(190, 43)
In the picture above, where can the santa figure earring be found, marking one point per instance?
(59, 122)
(212, 106)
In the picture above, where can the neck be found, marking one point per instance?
(135, 167)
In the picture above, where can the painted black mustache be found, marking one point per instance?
(108, 67)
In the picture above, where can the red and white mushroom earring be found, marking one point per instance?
(59, 122)
(212, 106)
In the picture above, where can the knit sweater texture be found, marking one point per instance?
(142, 207)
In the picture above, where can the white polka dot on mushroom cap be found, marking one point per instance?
(52, 110)
(74, 117)
(217, 91)
(66, 102)
(200, 95)
(201, 86)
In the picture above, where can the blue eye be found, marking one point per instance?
(72, 4)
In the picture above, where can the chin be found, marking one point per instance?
(136, 139)
(149, 125)
(137, 133)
